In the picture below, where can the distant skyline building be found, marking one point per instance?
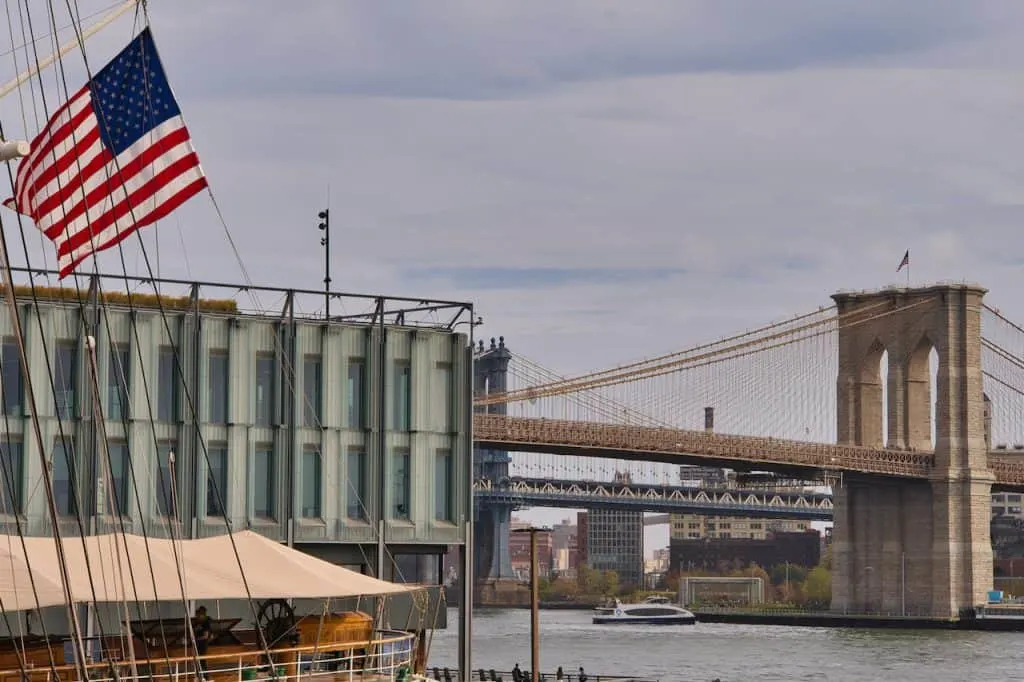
(615, 542)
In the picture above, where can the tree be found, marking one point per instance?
(609, 583)
(587, 578)
(563, 589)
(791, 573)
(818, 587)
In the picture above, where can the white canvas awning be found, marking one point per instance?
(113, 568)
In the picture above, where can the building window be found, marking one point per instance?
(64, 488)
(167, 385)
(403, 395)
(119, 477)
(356, 388)
(311, 483)
(117, 383)
(443, 502)
(264, 389)
(11, 379)
(12, 465)
(355, 492)
(218, 386)
(264, 498)
(217, 480)
(311, 390)
(166, 479)
(64, 381)
(401, 498)
(445, 401)
(422, 569)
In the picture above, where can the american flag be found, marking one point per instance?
(115, 158)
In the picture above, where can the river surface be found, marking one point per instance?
(733, 653)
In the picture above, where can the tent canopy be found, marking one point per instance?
(115, 567)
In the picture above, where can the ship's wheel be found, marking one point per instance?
(276, 619)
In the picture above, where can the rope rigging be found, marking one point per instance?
(103, 323)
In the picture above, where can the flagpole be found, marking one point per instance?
(65, 48)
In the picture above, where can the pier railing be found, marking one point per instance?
(491, 675)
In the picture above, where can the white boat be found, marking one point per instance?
(651, 611)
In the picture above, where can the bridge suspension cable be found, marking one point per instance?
(1002, 360)
(707, 354)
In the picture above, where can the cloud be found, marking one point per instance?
(604, 183)
(479, 51)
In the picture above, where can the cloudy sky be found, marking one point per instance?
(605, 180)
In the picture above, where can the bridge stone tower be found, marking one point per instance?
(493, 521)
(913, 546)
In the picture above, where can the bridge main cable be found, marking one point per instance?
(686, 359)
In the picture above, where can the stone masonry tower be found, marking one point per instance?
(913, 546)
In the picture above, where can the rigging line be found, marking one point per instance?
(116, 492)
(21, 101)
(189, 400)
(163, 314)
(72, 454)
(683, 365)
(61, 559)
(70, 464)
(81, 38)
(24, 44)
(19, 651)
(10, 485)
(131, 469)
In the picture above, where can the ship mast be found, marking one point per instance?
(78, 40)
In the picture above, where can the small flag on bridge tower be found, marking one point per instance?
(905, 263)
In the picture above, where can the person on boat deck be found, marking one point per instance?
(201, 631)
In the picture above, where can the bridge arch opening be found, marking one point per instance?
(921, 395)
(883, 377)
(870, 411)
(933, 366)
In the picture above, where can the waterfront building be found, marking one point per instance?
(320, 434)
(1007, 505)
(614, 542)
(726, 554)
(702, 526)
(519, 551)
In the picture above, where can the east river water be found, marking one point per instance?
(734, 653)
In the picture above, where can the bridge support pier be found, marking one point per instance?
(493, 521)
(920, 547)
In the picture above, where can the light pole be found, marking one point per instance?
(466, 601)
(325, 241)
(534, 601)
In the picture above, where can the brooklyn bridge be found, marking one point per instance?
(907, 402)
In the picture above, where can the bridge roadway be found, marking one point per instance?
(798, 459)
(764, 503)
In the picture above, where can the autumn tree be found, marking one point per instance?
(818, 587)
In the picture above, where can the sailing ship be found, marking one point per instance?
(84, 603)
